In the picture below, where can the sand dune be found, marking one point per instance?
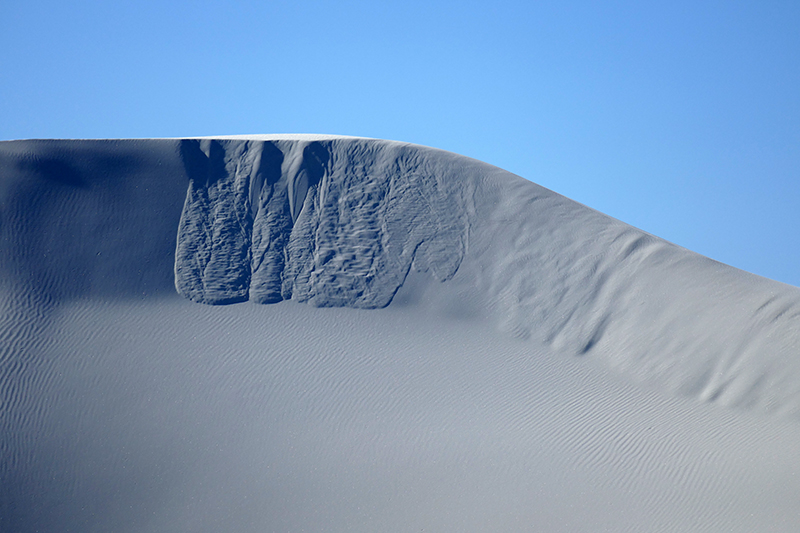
(446, 347)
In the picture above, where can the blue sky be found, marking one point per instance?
(681, 117)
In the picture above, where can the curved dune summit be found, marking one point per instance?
(431, 384)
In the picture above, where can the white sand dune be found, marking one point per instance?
(446, 347)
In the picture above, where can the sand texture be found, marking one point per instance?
(323, 333)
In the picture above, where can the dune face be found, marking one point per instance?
(446, 347)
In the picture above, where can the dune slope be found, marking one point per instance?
(447, 347)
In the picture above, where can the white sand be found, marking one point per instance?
(542, 367)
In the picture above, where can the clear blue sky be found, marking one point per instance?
(679, 117)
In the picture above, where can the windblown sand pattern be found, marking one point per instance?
(446, 347)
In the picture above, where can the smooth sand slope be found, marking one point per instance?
(312, 333)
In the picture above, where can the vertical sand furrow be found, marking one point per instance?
(212, 259)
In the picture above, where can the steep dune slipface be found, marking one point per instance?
(447, 346)
(332, 225)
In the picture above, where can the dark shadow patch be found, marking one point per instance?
(204, 161)
(271, 164)
(55, 170)
(315, 161)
